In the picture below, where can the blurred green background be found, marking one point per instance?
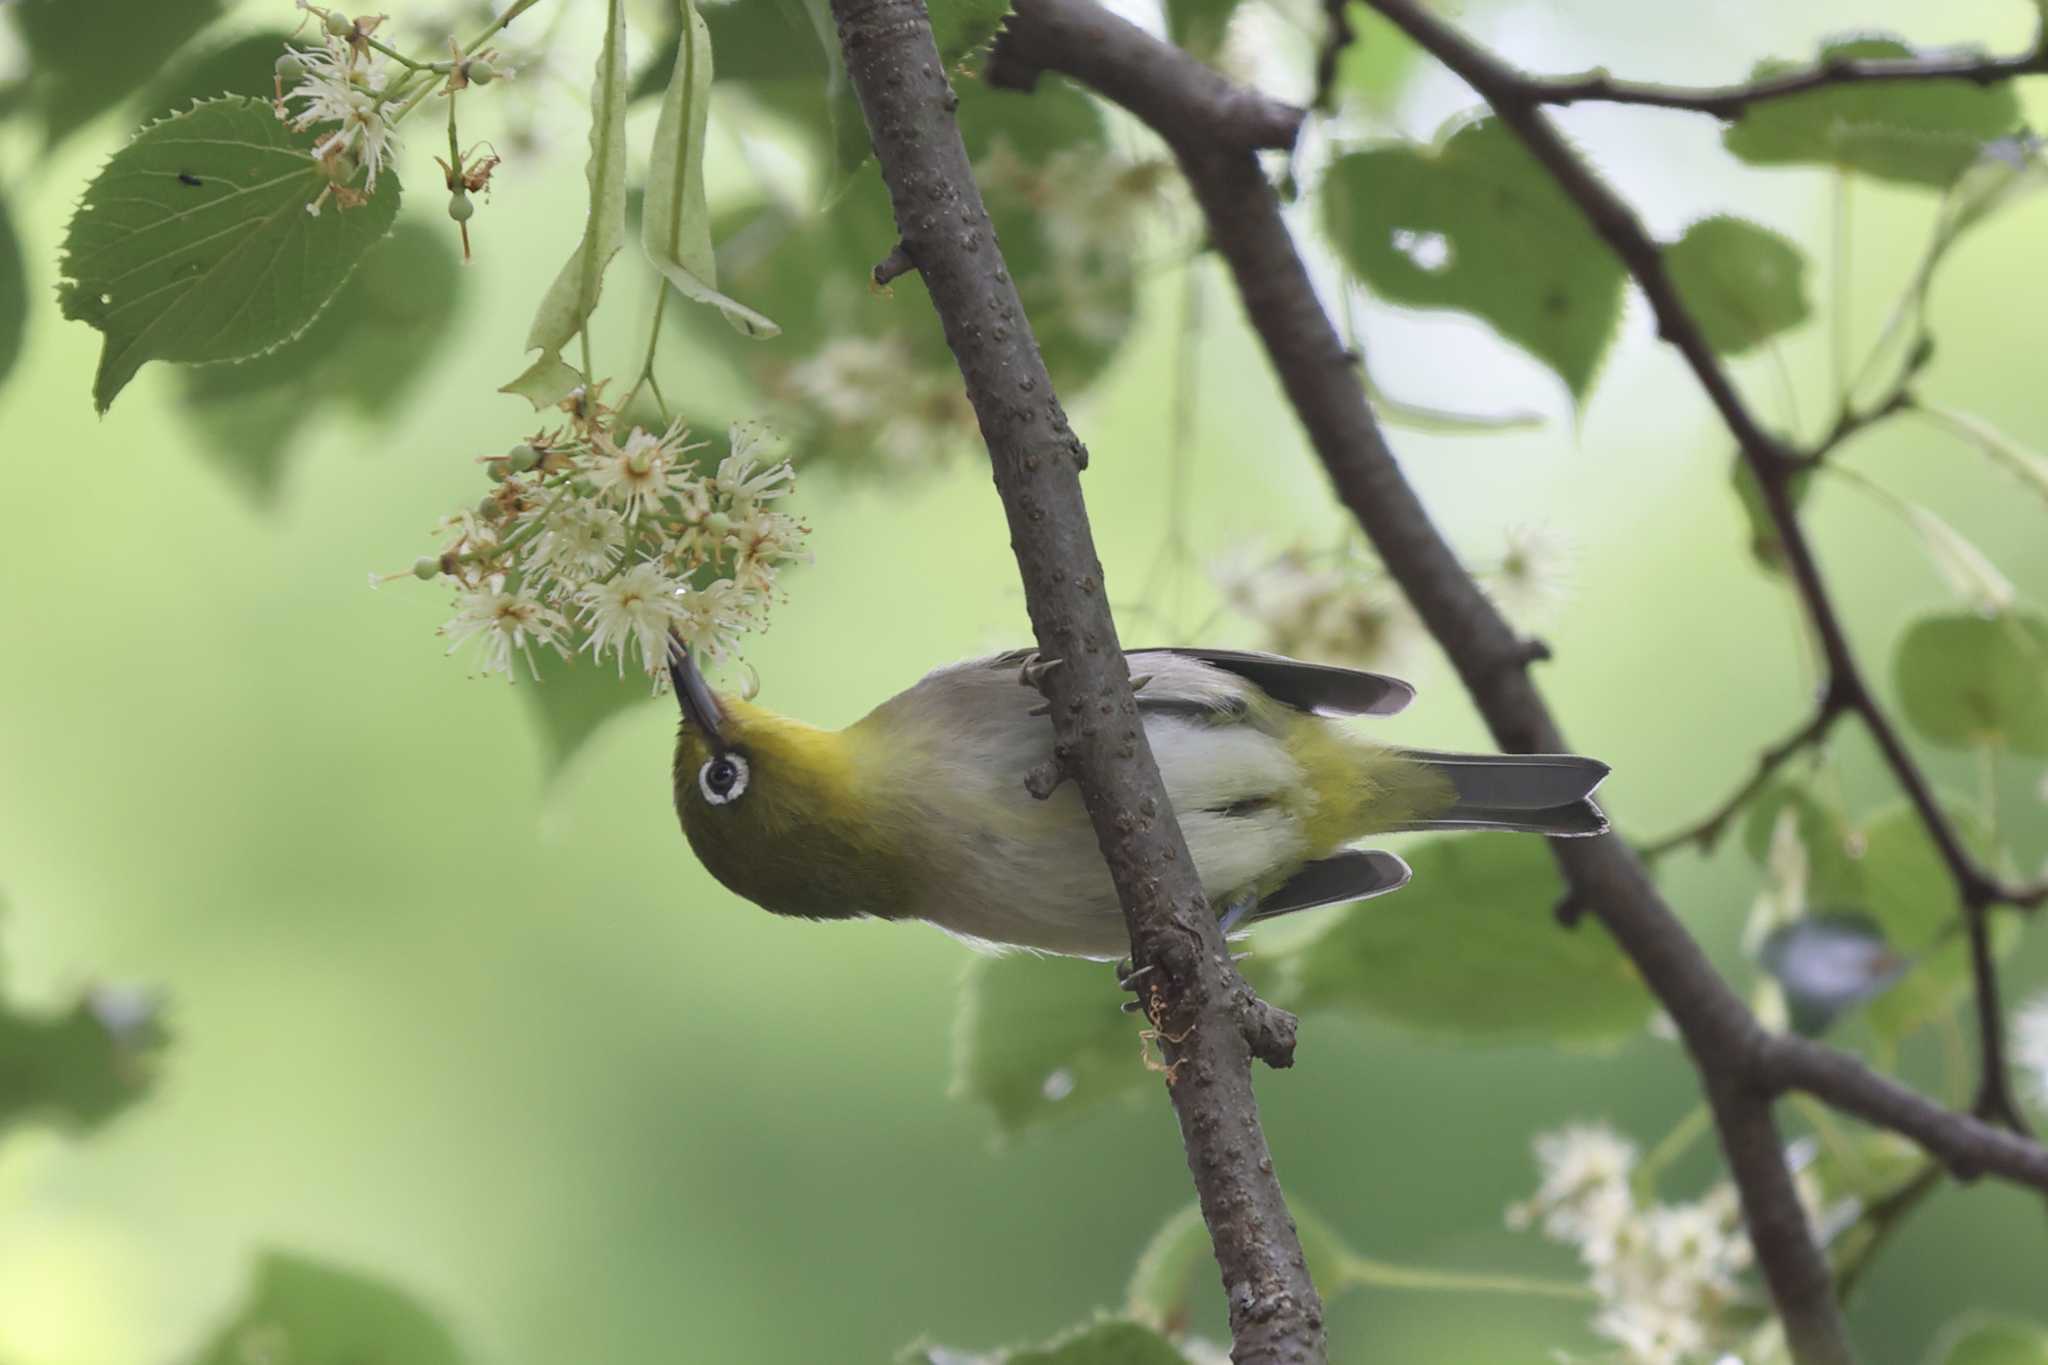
(495, 1036)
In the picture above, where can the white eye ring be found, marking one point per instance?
(733, 789)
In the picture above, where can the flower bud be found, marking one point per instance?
(339, 24)
(487, 506)
(425, 568)
(289, 68)
(480, 72)
(522, 457)
(459, 207)
(499, 470)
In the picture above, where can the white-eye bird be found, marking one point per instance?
(919, 809)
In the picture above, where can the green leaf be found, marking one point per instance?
(571, 699)
(566, 308)
(1865, 1165)
(1471, 949)
(1741, 282)
(1833, 872)
(83, 59)
(1373, 69)
(1909, 893)
(675, 224)
(1969, 681)
(1828, 963)
(195, 242)
(1177, 1261)
(1477, 225)
(1198, 26)
(1110, 1342)
(963, 27)
(1040, 1040)
(81, 1067)
(1978, 1340)
(1912, 132)
(13, 294)
(364, 355)
(310, 1313)
(246, 66)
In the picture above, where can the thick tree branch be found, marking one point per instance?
(1731, 101)
(1774, 464)
(1195, 997)
(1742, 1066)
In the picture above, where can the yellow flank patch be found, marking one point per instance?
(1353, 787)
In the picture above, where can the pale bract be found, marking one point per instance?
(605, 539)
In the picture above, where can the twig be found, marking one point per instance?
(1705, 833)
(893, 266)
(1275, 1313)
(1338, 36)
(1730, 101)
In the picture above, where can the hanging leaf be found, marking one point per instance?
(566, 308)
(1907, 890)
(571, 699)
(1471, 949)
(307, 1313)
(1198, 26)
(675, 224)
(13, 294)
(80, 1067)
(197, 241)
(963, 27)
(1969, 681)
(1742, 283)
(1042, 1040)
(1979, 1340)
(365, 355)
(1477, 225)
(1913, 132)
(1828, 963)
(83, 59)
(1833, 850)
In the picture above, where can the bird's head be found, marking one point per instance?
(778, 810)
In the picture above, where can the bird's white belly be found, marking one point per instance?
(1031, 874)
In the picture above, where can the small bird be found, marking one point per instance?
(919, 810)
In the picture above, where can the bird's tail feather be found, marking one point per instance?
(1534, 793)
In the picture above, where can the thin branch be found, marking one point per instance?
(1705, 833)
(1336, 37)
(1774, 466)
(1200, 1007)
(1731, 101)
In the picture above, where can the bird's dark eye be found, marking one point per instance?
(723, 778)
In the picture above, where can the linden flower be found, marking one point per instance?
(344, 86)
(578, 541)
(640, 607)
(504, 624)
(1585, 1192)
(640, 473)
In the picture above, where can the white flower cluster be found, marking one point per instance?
(2030, 1047)
(872, 388)
(1665, 1274)
(1341, 605)
(593, 540)
(1088, 207)
(1336, 607)
(343, 82)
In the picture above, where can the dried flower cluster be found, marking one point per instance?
(1666, 1274)
(613, 541)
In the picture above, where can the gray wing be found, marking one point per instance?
(1322, 688)
(1349, 876)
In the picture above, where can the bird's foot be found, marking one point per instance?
(1236, 911)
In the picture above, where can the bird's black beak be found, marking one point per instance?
(694, 695)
